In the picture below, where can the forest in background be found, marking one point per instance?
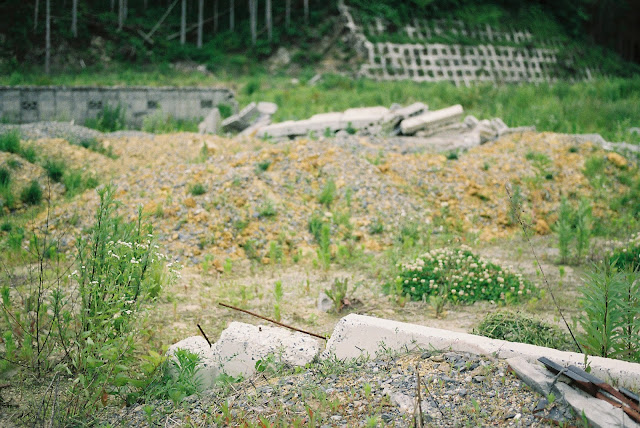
(235, 32)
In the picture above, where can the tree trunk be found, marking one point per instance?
(183, 23)
(35, 16)
(47, 43)
(215, 16)
(200, 18)
(267, 18)
(232, 23)
(113, 5)
(287, 13)
(253, 11)
(145, 4)
(74, 18)
(120, 14)
(306, 11)
(125, 11)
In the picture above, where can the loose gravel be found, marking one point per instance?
(456, 389)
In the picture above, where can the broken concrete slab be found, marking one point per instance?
(432, 120)
(471, 121)
(242, 120)
(241, 345)
(395, 116)
(255, 128)
(358, 334)
(363, 117)
(518, 130)
(498, 125)
(211, 123)
(266, 108)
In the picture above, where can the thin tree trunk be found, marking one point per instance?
(47, 43)
(215, 16)
(120, 14)
(113, 5)
(125, 12)
(74, 18)
(35, 16)
(183, 23)
(232, 23)
(145, 4)
(267, 18)
(287, 13)
(306, 11)
(253, 9)
(200, 18)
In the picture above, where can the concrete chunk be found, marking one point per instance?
(363, 117)
(266, 108)
(242, 120)
(395, 116)
(432, 120)
(210, 123)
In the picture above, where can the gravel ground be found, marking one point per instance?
(457, 389)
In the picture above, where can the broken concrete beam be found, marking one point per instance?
(317, 123)
(239, 348)
(355, 335)
(254, 129)
(518, 130)
(471, 121)
(210, 123)
(364, 117)
(486, 131)
(498, 125)
(431, 120)
(394, 117)
(242, 120)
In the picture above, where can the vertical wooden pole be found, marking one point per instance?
(183, 23)
(47, 43)
(200, 18)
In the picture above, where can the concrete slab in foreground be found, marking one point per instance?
(358, 334)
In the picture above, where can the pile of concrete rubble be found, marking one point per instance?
(412, 120)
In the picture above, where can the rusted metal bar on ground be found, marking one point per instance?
(205, 336)
(273, 321)
(583, 381)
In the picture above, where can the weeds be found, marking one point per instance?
(197, 189)
(328, 193)
(10, 142)
(32, 194)
(5, 177)
(55, 169)
(267, 209)
(277, 296)
(338, 293)
(109, 119)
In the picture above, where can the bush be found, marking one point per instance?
(109, 119)
(516, 327)
(32, 194)
(75, 183)
(30, 154)
(627, 257)
(10, 142)
(267, 209)
(55, 169)
(5, 177)
(461, 276)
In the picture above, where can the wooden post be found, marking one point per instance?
(183, 23)
(231, 16)
(253, 21)
(200, 18)
(306, 12)
(120, 14)
(215, 16)
(35, 16)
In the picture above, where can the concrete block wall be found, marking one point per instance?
(23, 104)
(497, 59)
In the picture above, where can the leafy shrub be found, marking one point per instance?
(29, 153)
(5, 177)
(452, 155)
(627, 257)
(32, 194)
(14, 163)
(55, 169)
(267, 209)
(338, 293)
(109, 119)
(610, 315)
(350, 129)
(315, 225)
(376, 227)
(516, 327)
(263, 165)
(10, 142)
(6, 226)
(461, 276)
(328, 193)
(75, 182)
(225, 110)
(197, 189)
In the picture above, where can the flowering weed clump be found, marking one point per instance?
(458, 275)
(628, 257)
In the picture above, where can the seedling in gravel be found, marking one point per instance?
(338, 293)
(267, 209)
(32, 194)
(328, 193)
(262, 166)
(55, 169)
(277, 295)
(197, 189)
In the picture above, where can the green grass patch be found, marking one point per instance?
(5, 177)
(32, 194)
(159, 123)
(55, 169)
(198, 189)
(10, 142)
(517, 327)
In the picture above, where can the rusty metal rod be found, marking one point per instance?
(273, 321)
(205, 336)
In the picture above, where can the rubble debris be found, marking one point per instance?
(432, 120)
(253, 117)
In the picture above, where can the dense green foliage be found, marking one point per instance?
(461, 276)
(518, 327)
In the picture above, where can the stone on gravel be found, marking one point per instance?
(431, 121)
(210, 123)
(324, 302)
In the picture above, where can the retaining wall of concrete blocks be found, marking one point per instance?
(23, 104)
(426, 61)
